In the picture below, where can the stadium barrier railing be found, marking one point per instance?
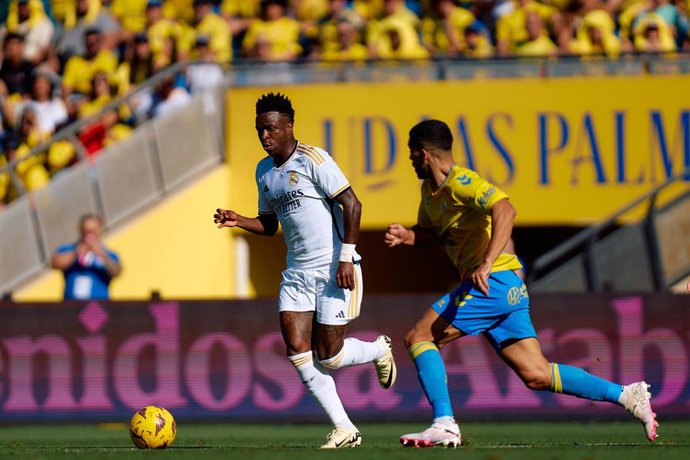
(162, 154)
(641, 248)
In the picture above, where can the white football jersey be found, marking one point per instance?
(300, 192)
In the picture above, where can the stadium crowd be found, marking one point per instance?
(64, 60)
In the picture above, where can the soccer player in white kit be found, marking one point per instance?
(301, 187)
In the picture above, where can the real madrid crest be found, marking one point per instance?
(294, 178)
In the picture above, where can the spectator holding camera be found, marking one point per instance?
(88, 266)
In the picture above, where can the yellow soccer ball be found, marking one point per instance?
(152, 428)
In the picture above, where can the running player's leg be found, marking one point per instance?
(336, 308)
(465, 310)
(297, 301)
(335, 351)
(328, 339)
(296, 328)
(429, 334)
(515, 339)
(423, 342)
(513, 336)
(527, 360)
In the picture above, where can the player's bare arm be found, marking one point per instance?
(352, 214)
(502, 218)
(263, 224)
(415, 236)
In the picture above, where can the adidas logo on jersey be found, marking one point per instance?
(340, 315)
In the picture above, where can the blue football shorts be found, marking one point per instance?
(502, 315)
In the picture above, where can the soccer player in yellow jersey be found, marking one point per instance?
(473, 220)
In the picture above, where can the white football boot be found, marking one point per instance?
(637, 402)
(386, 370)
(341, 438)
(438, 434)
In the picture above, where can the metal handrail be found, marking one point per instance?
(72, 129)
(589, 235)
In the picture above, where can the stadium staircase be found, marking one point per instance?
(644, 247)
(162, 155)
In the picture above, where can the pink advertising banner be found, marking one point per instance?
(225, 360)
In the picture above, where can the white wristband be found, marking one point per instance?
(347, 251)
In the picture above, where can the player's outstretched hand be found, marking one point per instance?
(395, 235)
(225, 218)
(480, 277)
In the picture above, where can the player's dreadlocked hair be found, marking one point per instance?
(275, 103)
(430, 133)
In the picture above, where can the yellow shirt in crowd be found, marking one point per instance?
(218, 32)
(542, 46)
(61, 7)
(80, 71)
(434, 31)
(283, 35)
(512, 28)
(241, 8)
(163, 32)
(356, 52)
(131, 13)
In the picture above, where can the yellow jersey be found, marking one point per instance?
(512, 27)
(247, 9)
(356, 52)
(79, 71)
(542, 46)
(434, 31)
(181, 11)
(161, 36)
(219, 34)
(282, 34)
(459, 213)
(131, 14)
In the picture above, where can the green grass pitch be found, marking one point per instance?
(490, 441)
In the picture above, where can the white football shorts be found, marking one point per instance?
(317, 290)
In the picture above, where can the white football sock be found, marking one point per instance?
(445, 420)
(322, 387)
(623, 397)
(355, 352)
